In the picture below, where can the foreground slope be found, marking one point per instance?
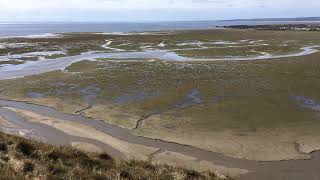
(24, 159)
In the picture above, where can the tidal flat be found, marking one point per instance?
(259, 110)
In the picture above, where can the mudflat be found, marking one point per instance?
(247, 94)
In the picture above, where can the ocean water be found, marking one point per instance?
(25, 29)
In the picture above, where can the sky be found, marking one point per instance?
(152, 10)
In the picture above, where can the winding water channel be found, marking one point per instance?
(47, 65)
(279, 170)
(291, 169)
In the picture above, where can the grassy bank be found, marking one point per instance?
(24, 159)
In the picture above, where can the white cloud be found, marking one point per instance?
(214, 7)
(44, 5)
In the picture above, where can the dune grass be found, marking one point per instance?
(24, 159)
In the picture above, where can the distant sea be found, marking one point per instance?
(25, 29)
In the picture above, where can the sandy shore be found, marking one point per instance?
(60, 128)
(120, 148)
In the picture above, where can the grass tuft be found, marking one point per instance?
(25, 148)
(56, 155)
(3, 147)
(28, 167)
(126, 175)
(191, 174)
(105, 157)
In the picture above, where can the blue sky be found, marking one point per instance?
(153, 10)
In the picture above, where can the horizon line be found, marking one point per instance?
(172, 21)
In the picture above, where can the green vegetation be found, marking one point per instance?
(234, 94)
(10, 62)
(184, 102)
(216, 43)
(239, 51)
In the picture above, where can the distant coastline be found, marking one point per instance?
(279, 27)
(13, 29)
(305, 19)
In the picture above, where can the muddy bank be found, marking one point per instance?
(291, 169)
(47, 134)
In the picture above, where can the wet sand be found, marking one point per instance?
(291, 169)
(47, 134)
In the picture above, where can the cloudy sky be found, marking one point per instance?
(153, 10)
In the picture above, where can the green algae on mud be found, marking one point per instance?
(217, 42)
(241, 97)
(194, 103)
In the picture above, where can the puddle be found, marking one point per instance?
(224, 43)
(44, 53)
(90, 94)
(36, 95)
(191, 43)
(56, 92)
(201, 43)
(162, 44)
(216, 99)
(34, 55)
(59, 84)
(136, 97)
(16, 45)
(192, 99)
(308, 103)
(107, 46)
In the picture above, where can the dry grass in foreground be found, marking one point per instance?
(24, 159)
